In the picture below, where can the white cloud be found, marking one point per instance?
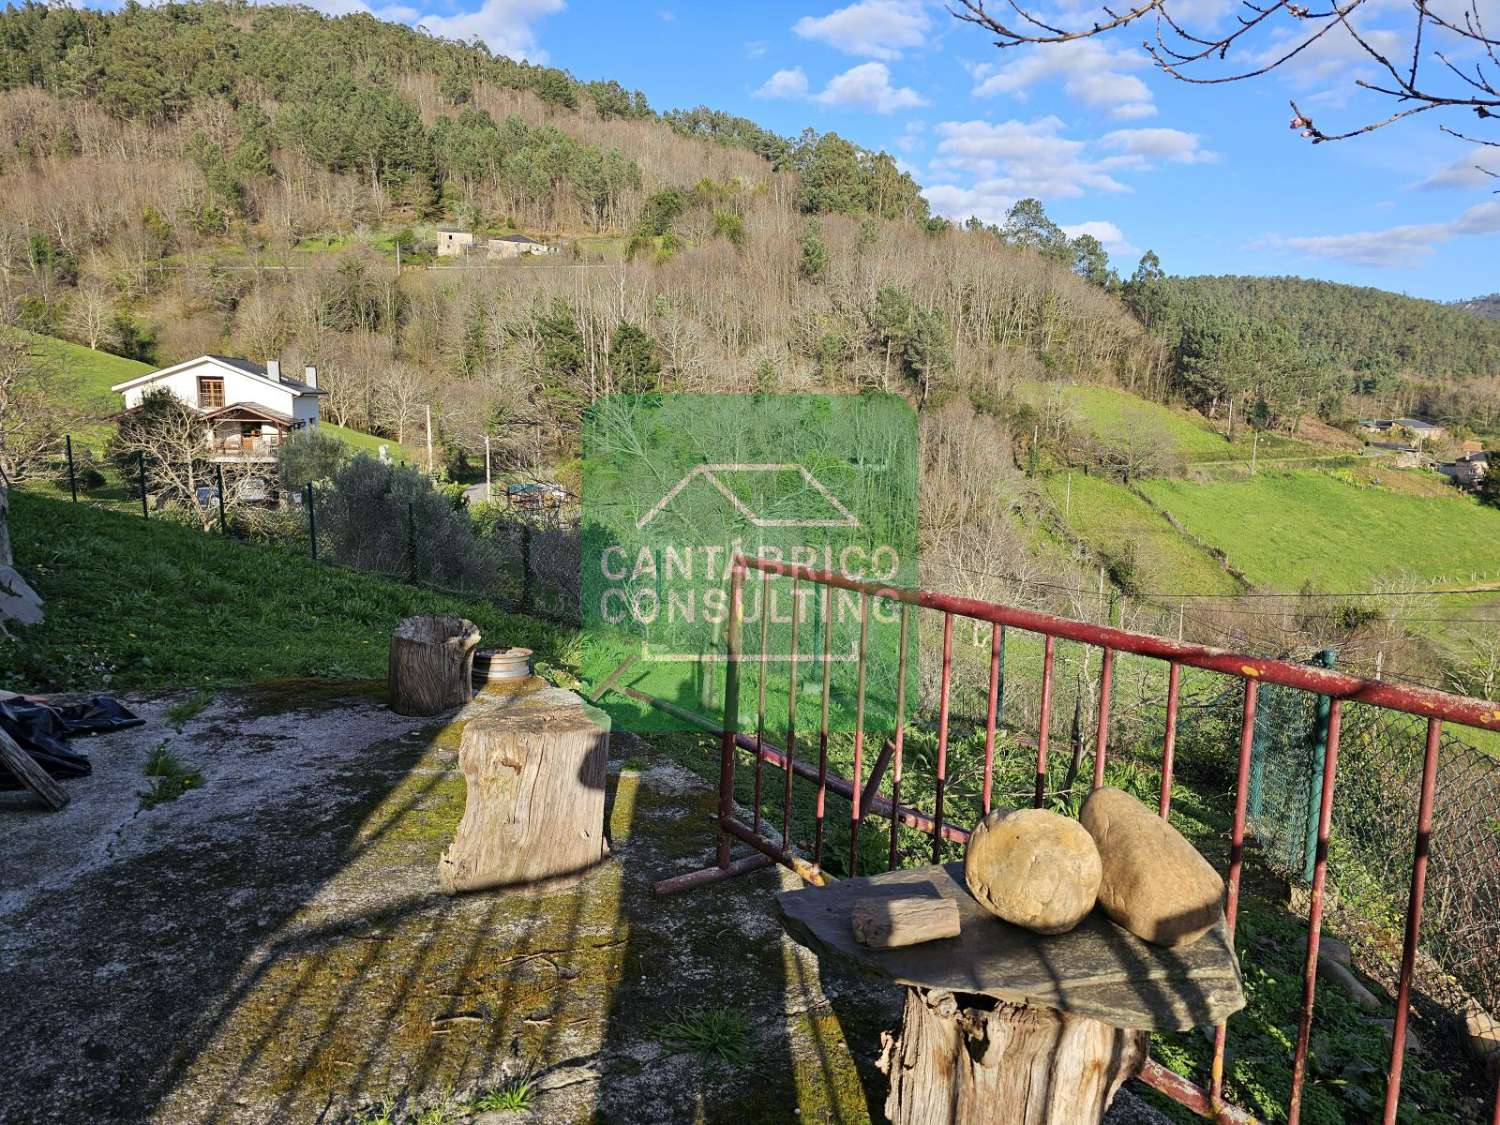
(868, 86)
(756, 48)
(877, 29)
(784, 84)
(913, 136)
(1471, 170)
(503, 24)
(1395, 246)
(1090, 72)
(1108, 235)
(1159, 144)
(1013, 159)
(981, 168)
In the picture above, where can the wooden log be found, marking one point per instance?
(431, 662)
(30, 774)
(534, 808)
(881, 922)
(977, 1061)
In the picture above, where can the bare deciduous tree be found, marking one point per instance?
(91, 316)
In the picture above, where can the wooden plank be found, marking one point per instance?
(1097, 969)
(30, 774)
(890, 923)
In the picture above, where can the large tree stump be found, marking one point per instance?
(977, 1060)
(431, 662)
(534, 811)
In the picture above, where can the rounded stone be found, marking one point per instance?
(1155, 883)
(1033, 868)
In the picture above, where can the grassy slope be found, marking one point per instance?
(88, 375)
(1285, 528)
(1104, 514)
(1109, 411)
(137, 604)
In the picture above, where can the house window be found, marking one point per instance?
(210, 392)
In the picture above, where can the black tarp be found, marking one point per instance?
(43, 731)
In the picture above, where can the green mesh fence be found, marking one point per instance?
(1286, 774)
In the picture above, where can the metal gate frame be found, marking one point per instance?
(864, 796)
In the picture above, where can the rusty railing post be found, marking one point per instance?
(731, 707)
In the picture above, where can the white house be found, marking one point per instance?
(249, 408)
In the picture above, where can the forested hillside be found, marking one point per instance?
(265, 181)
(1293, 346)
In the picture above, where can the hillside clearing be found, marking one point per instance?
(1109, 413)
(1284, 529)
(1110, 518)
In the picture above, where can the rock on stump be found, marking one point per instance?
(1034, 868)
(534, 812)
(979, 1061)
(1155, 883)
(431, 661)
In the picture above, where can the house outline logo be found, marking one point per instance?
(710, 474)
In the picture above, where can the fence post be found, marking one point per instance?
(72, 476)
(525, 567)
(140, 459)
(223, 519)
(411, 541)
(1324, 659)
(312, 521)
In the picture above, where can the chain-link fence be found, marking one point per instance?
(1374, 837)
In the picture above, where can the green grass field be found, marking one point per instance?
(133, 603)
(1286, 528)
(1106, 515)
(1109, 411)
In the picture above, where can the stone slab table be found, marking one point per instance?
(1003, 1025)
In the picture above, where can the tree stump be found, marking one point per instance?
(431, 661)
(977, 1060)
(534, 810)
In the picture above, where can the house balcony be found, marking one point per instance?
(237, 450)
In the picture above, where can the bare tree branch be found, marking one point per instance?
(1199, 56)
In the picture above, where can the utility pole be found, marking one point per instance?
(1068, 500)
(1231, 419)
(1254, 448)
(429, 439)
(488, 493)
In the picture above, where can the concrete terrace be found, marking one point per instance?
(272, 947)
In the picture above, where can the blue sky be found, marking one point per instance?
(1210, 177)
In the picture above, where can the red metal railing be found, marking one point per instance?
(865, 799)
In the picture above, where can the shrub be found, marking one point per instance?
(310, 455)
(391, 520)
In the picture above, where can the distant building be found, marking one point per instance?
(516, 246)
(248, 408)
(1419, 428)
(453, 242)
(1469, 469)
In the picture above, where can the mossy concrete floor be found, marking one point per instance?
(273, 946)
